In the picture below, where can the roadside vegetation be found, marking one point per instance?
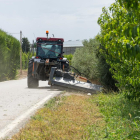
(25, 59)
(26, 53)
(113, 56)
(25, 45)
(120, 32)
(9, 56)
(69, 57)
(92, 64)
(122, 116)
(65, 117)
(74, 116)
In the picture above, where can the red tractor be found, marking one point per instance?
(49, 54)
(49, 64)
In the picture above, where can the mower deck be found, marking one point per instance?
(78, 85)
(74, 84)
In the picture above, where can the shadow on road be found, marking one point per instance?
(55, 88)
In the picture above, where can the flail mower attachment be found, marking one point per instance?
(67, 79)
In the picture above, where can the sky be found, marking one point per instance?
(68, 19)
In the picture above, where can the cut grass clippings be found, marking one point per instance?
(64, 117)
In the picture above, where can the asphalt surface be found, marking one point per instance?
(18, 103)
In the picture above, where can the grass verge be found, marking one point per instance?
(100, 116)
(122, 116)
(64, 117)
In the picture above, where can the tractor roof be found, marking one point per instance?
(49, 39)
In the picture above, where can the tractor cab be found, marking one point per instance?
(50, 65)
(49, 48)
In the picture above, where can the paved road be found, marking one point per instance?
(17, 103)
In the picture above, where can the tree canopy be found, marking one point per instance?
(120, 31)
(25, 45)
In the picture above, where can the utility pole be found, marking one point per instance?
(33, 47)
(20, 52)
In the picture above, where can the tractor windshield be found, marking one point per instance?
(49, 49)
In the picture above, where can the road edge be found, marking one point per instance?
(14, 124)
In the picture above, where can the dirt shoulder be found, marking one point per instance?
(21, 76)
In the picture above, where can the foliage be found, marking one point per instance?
(25, 45)
(84, 59)
(121, 115)
(33, 48)
(89, 61)
(35, 45)
(25, 59)
(103, 74)
(120, 32)
(69, 57)
(130, 5)
(9, 56)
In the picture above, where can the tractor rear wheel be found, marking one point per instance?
(31, 82)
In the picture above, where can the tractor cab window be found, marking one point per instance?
(49, 49)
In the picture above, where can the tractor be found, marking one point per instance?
(49, 64)
(49, 53)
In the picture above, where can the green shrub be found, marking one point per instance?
(69, 57)
(84, 59)
(92, 64)
(25, 59)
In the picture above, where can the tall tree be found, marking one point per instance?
(25, 45)
(120, 35)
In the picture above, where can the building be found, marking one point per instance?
(70, 46)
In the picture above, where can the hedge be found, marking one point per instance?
(9, 56)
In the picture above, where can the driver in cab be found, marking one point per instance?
(51, 52)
